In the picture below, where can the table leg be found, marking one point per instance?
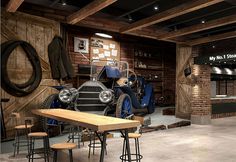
(103, 143)
(127, 145)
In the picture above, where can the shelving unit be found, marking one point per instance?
(143, 60)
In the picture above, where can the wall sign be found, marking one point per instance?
(223, 57)
(227, 58)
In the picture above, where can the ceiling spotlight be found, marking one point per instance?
(103, 35)
(63, 2)
(213, 46)
(156, 8)
(203, 21)
(175, 28)
(130, 18)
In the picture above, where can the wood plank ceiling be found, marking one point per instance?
(184, 22)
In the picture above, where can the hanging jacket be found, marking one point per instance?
(61, 66)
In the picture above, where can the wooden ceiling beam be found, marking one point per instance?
(88, 10)
(13, 5)
(108, 24)
(212, 38)
(200, 27)
(171, 13)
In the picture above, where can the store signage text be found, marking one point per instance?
(222, 57)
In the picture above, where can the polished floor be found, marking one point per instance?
(195, 143)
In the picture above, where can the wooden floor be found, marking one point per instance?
(195, 143)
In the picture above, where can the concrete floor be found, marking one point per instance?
(195, 143)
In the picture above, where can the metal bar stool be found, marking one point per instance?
(92, 142)
(31, 143)
(76, 133)
(135, 156)
(21, 131)
(63, 146)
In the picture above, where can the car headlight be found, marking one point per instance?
(67, 95)
(105, 96)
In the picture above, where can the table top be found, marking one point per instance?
(87, 120)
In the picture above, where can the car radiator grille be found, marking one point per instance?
(88, 99)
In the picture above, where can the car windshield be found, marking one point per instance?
(97, 66)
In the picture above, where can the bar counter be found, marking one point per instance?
(223, 105)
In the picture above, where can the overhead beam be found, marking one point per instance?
(108, 24)
(212, 38)
(13, 5)
(88, 10)
(200, 27)
(171, 13)
(137, 9)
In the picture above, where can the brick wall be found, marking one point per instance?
(201, 102)
(169, 81)
(127, 46)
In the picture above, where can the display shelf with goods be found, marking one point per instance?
(148, 63)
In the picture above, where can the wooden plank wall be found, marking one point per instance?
(39, 32)
(183, 86)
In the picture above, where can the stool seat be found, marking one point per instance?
(134, 135)
(38, 134)
(23, 126)
(63, 146)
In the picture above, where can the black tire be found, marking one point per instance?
(48, 101)
(24, 89)
(119, 105)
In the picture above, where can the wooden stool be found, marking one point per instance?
(20, 129)
(31, 139)
(138, 156)
(63, 146)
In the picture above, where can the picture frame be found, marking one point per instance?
(81, 45)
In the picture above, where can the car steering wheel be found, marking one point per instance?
(132, 78)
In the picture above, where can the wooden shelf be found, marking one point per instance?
(143, 57)
(153, 80)
(138, 68)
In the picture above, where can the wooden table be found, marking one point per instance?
(92, 121)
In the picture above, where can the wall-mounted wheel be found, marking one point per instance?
(123, 106)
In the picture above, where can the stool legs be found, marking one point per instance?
(55, 155)
(71, 156)
(137, 155)
(15, 144)
(31, 151)
(93, 143)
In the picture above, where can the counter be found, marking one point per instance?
(224, 105)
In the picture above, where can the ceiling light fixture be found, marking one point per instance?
(213, 46)
(103, 35)
(156, 8)
(63, 2)
(228, 71)
(203, 21)
(130, 18)
(217, 70)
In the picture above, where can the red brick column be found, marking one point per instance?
(201, 95)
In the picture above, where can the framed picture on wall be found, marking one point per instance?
(81, 45)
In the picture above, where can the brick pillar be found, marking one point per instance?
(201, 95)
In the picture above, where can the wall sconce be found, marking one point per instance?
(187, 71)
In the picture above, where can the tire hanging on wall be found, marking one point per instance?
(28, 87)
